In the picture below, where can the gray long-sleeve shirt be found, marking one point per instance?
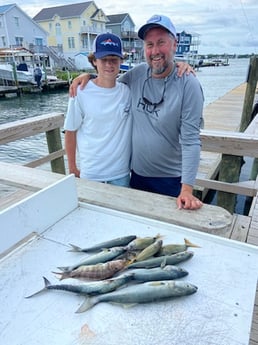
(166, 137)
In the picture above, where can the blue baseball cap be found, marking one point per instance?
(157, 20)
(107, 44)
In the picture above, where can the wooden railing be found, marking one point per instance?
(233, 143)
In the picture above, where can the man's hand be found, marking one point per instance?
(184, 67)
(187, 200)
(81, 80)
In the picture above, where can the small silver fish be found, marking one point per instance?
(140, 243)
(170, 249)
(142, 293)
(163, 260)
(149, 251)
(91, 288)
(95, 272)
(168, 272)
(101, 257)
(116, 242)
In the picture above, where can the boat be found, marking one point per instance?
(17, 65)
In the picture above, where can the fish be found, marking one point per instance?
(167, 272)
(116, 242)
(91, 288)
(95, 272)
(162, 260)
(149, 251)
(101, 257)
(148, 292)
(140, 243)
(170, 249)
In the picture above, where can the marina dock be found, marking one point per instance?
(7, 90)
(222, 116)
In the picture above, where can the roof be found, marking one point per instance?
(73, 10)
(117, 18)
(6, 8)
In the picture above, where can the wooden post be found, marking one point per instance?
(54, 143)
(252, 78)
(230, 167)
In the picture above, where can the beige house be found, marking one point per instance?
(72, 28)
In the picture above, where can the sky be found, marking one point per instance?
(224, 26)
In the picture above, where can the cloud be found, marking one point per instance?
(224, 25)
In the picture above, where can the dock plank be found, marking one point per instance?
(224, 114)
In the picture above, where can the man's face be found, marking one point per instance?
(159, 50)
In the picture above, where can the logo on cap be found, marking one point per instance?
(109, 42)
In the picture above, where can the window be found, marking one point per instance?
(69, 24)
(50, 26)
(39, 41)
(3, 41)
(71, 43)
(58, 29)
(19, 41)
(16, 22)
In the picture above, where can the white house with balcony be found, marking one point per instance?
(17, 29)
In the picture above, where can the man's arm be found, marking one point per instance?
(83, 78)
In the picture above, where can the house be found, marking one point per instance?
(73, 28)
(17, 29)
(123, 26)
(188, 43)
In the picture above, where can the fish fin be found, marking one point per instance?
(62, 275)
(128, 305)
(159, 237)
(74, 248)
(163, 263)
(87, 304)
(190, 244)
(47, 283)
(64, 269)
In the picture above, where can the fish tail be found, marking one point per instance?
(87, 304)
(190, 244)
(74, 248)
(46, 282)
(62, 275)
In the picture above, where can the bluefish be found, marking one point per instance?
(101, 257)
(168, 272)
(142, 293)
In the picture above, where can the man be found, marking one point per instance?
(167, 116)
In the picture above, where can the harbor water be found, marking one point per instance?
(216, 81)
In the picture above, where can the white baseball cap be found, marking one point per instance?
(157, 20)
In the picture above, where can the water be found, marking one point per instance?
(216, 81)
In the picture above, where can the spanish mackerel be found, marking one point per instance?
(162, 260)
(142, 293)
(116, 242)
(91, 288)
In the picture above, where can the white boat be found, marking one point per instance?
(17, 64)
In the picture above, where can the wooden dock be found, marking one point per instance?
(6, 90)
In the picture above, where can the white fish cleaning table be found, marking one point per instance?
(43, 225)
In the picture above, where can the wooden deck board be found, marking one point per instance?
(224, 114)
